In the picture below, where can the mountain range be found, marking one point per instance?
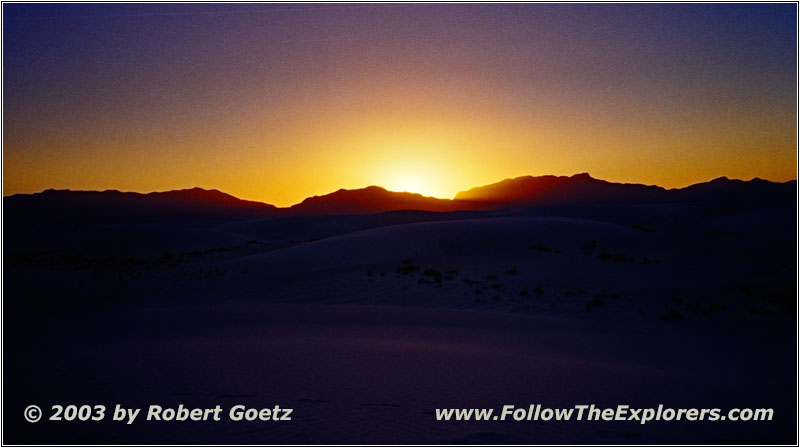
(510, 194)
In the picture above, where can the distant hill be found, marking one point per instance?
(373, 200)
(111, 206)
(723, 189)
(531, 191)
(197, 204)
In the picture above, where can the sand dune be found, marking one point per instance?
(357, 374)
(365, 325)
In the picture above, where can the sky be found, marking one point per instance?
(278, 102)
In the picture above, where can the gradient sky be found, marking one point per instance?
(277, 102)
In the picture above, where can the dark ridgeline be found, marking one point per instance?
(582, 189)
(197, 204)
(373, 200)
(723, 189)
(529, 191)
(111, 206)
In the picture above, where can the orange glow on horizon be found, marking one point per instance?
(437, 158)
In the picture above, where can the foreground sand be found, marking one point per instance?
(365, 333)
(360, 374)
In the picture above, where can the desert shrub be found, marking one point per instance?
(671, 315)
(705, 310)
(620, 257)
(594, 303)
(642, 227)
(783, 298)
(433, 273)
(408, 269)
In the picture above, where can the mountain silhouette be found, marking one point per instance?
(111, 206)
(723, 189)
(372, 200)
(528, 191)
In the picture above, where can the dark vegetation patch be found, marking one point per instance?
(704, 310)
(433, 274)
(783, 298)
(408, 268)
(671, 315)
(594, 303)
(607, 295)
(618, 257)
(643, 228)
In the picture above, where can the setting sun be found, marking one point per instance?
(411, 183)
(414, 177)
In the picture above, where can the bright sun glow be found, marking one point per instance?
(413, 161)
(412, 183)
(414, 176)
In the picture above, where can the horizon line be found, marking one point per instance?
(114, 190)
